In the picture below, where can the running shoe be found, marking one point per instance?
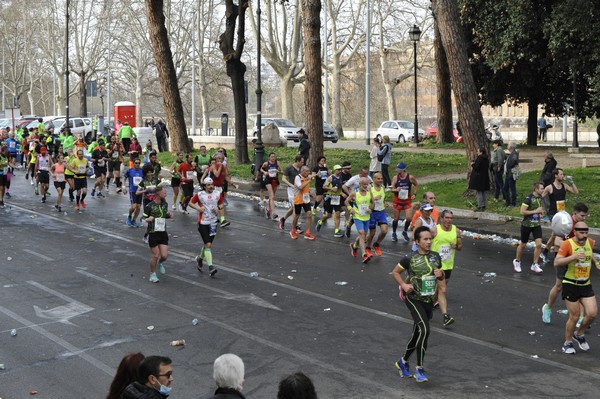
(31, 181)
(135, 224)
(420, 375)
(281, 223)
(394, 237)
(77, 207)
(174, 207)
(568, 348)
(405, 236)
(583, 345)
(146, 238)
(369, 252)
(299, 230)
(44, 199)
(377, 249)
(536, 268)
(366, 258)
(129, 221)
(7, 195)
(212, 270)
(546, 313)
(319, 225)
(338, 233)
(36, 191)
(275, 216)
(153, 278)
(354, 251)
(348, 230)
(119, 191)
(268, 213)
(448, 320)
(517, 266)
(293, 234)
(436, 305)
(309, 236)
(60, 209)
(93, 192)
(225, 223)
(161, 268)
(199, 263)
(403, 368)
(100, 195)
(56, 207)
(83, 205)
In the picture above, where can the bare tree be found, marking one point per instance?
(168, 77)
(232, 50)
(465, 92)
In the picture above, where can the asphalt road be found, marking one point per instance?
(75, 288)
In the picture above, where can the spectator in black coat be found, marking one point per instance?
(480, 178)
(228, 373)
(304, 148)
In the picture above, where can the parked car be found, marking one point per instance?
(399, 131)
(432, 130)
(78, 125)
(329, 133)
(287, 129)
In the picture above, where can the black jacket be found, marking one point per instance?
(135, 390)
(480, 175)
(227, 393)
(546, 175)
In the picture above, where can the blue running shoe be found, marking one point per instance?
(420, 375)
(403, 368)
(394, 237)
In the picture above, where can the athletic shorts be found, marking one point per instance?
(114, 166)
(526, 231)
(377, 219)
(188, 189)
(273, 181)
(175, 181)
(2, 180)
(80, 183)
(361, 225)
(299, 207)
(319, 190)
(447, 273)
(331, 208)
(402, 205)
(207, 232)
(99, 170)
(225, 186)
(60, 184)
(574, 292)
(158, 238)
(44, 176)
(135, 199)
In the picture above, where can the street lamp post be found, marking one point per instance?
(415, 34)
(259, 148)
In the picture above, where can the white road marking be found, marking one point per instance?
(41, 256)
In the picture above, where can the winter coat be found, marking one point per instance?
(480, 176)
(227, 393)
(135, 390)
(386, 148)
(547, 177)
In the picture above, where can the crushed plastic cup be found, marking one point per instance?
(531, 332)
(341, 283)
(195, 322)
(489, 277)
(254, 274)
(13, 333)
(290, 277)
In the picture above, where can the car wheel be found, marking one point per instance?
(401, 139)
(334, 141)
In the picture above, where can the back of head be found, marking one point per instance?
(296, 386)
(127, 372)
(151, 366)
(228, 371)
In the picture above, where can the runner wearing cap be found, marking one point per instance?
(425, 220)
(361, 204)
(209, 204)
(333, 200)
(42, 169)
(404, 187)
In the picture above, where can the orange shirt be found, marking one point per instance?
(435, 213)
(301, 196)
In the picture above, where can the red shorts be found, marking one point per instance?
(402, 205)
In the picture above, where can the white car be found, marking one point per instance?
(287, 129)
(399, 131)
(77, 125)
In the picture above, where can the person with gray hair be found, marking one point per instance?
(510, 183)
(228, 373)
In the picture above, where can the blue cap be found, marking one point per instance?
(401, 166)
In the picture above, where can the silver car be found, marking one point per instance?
(399, 131)
(287, 129)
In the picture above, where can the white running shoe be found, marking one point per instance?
(536, 268)
(517, 265)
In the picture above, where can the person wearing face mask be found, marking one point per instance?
(155, 377)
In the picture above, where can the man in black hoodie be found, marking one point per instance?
(155, 377)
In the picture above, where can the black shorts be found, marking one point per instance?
(205, 232)
(158, 238)
(188, 189)
(298, 208)
(225, 186)
(114, 166)
(135, 198)
(526, 231)
(331, 208)
(447, 274)
(574, 292)
(61, 185)
(319, 189)
(44, 176)
(175, 181)
(99, 171)
(80, 183)
(273, 181)
(2, 180)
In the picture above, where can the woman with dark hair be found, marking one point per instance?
(296, 386)
(127, 372)
(480, 178)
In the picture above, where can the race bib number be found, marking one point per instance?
(561, 205)
(12, 145)
(428, 284)
(403, 194)
(137, 180)
(582, 271)
(363, 209)
(324, 174)
(272, 172)
(212, 229)
(378, 205)
(81, 169)
(306, 198)
(445, 252)
(101, 162)
(335, 199)
(160, 224)
(115, 155)
(60, 177)
(189, 175)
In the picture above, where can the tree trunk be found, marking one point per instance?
(139, 89)
(203, 94)
(168, 76)
(465, 92)
(82, 93)
(336, 112)
(236, 70)
(313, 98)
(532, 130)
(444, 91)
(286, 91)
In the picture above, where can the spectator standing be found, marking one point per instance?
(155, 377)
(228, 373)
(598, 132)
(127, 372)
(480, 178)
(161, 132)
(497, 167)
(375, 165)
(385, 154)
(510, 183)
(304, 148)
(549, 165)
(543, 127)
(296, 386)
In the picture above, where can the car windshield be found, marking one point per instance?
(408, 125)
(284, 123)
(327, 125)
(58, 123)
